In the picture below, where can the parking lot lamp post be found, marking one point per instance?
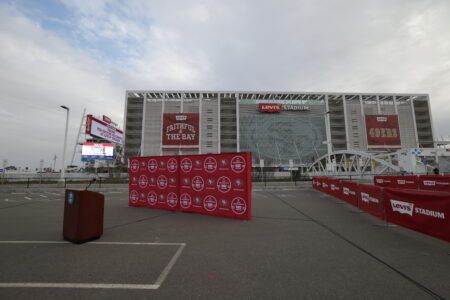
(61, 180)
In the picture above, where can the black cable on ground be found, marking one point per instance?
(389, 266)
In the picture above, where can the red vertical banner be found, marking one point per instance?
(154, 182)
(349, 192)
(216, 184)
(335, 187)
(180, 129)
(162, 189)
(383, 131)
(370, 200)
(138, 181)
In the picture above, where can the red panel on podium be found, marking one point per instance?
(83, 215)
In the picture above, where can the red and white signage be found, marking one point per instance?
(402, 182)
(427, 212)
(371, 200)
(383, 132)
(276, 107)
(269, 107)
(103, 130)
(213, 184)
(434, 183)
(180, 129)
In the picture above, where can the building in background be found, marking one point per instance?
(279, 128)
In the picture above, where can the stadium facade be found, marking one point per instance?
(279, 128)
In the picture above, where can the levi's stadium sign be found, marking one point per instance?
(276, 107)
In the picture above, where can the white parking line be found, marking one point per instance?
(153, 286)
(43, 196)
(28, 198)
(78, 285)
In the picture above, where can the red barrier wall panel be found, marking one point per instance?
(216, 184)
(335, 187)
(349, 192)
(384, 181)
(316, 183)
(154, 182)
(434, 183)
(423, 211)
(403, 182)
(370, 200)
(326, 185)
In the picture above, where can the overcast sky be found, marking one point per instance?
(86, 53)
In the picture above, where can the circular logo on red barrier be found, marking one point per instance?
(152, 198)
(238, 206)
(210, 164)
(197, 183)
(186, 165)
(210, 203)
(238, 164)
(143, 181)
(134, 165)
(152, 165)
(161, 181)
(224, 184)
(172, 199)
(134, 196)
(172, 165)
(185, 200)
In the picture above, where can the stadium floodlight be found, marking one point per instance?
(61, 181)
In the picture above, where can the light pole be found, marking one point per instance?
(61, 180)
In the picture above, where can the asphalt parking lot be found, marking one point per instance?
(300, 244)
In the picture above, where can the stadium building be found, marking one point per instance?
(279, 128)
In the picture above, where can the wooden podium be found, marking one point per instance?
(83, 216)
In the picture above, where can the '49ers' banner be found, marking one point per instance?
(212, 184)
(180, 129)
(383, 131)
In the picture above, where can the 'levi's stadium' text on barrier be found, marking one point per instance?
(424, 211)
(212, 184)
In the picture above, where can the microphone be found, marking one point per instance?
(90, 182)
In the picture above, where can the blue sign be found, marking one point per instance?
(70, 198)
(2, 170)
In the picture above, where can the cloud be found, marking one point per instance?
(39, 73)
(110, 46)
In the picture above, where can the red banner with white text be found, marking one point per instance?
(213, 184)
(370, 200)
(402, 182)
(180, 129)
(383, 132)
(154, 182)
(349, 192)
(423, 211)
(434, 183)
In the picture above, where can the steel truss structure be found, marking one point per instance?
(355, 163)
